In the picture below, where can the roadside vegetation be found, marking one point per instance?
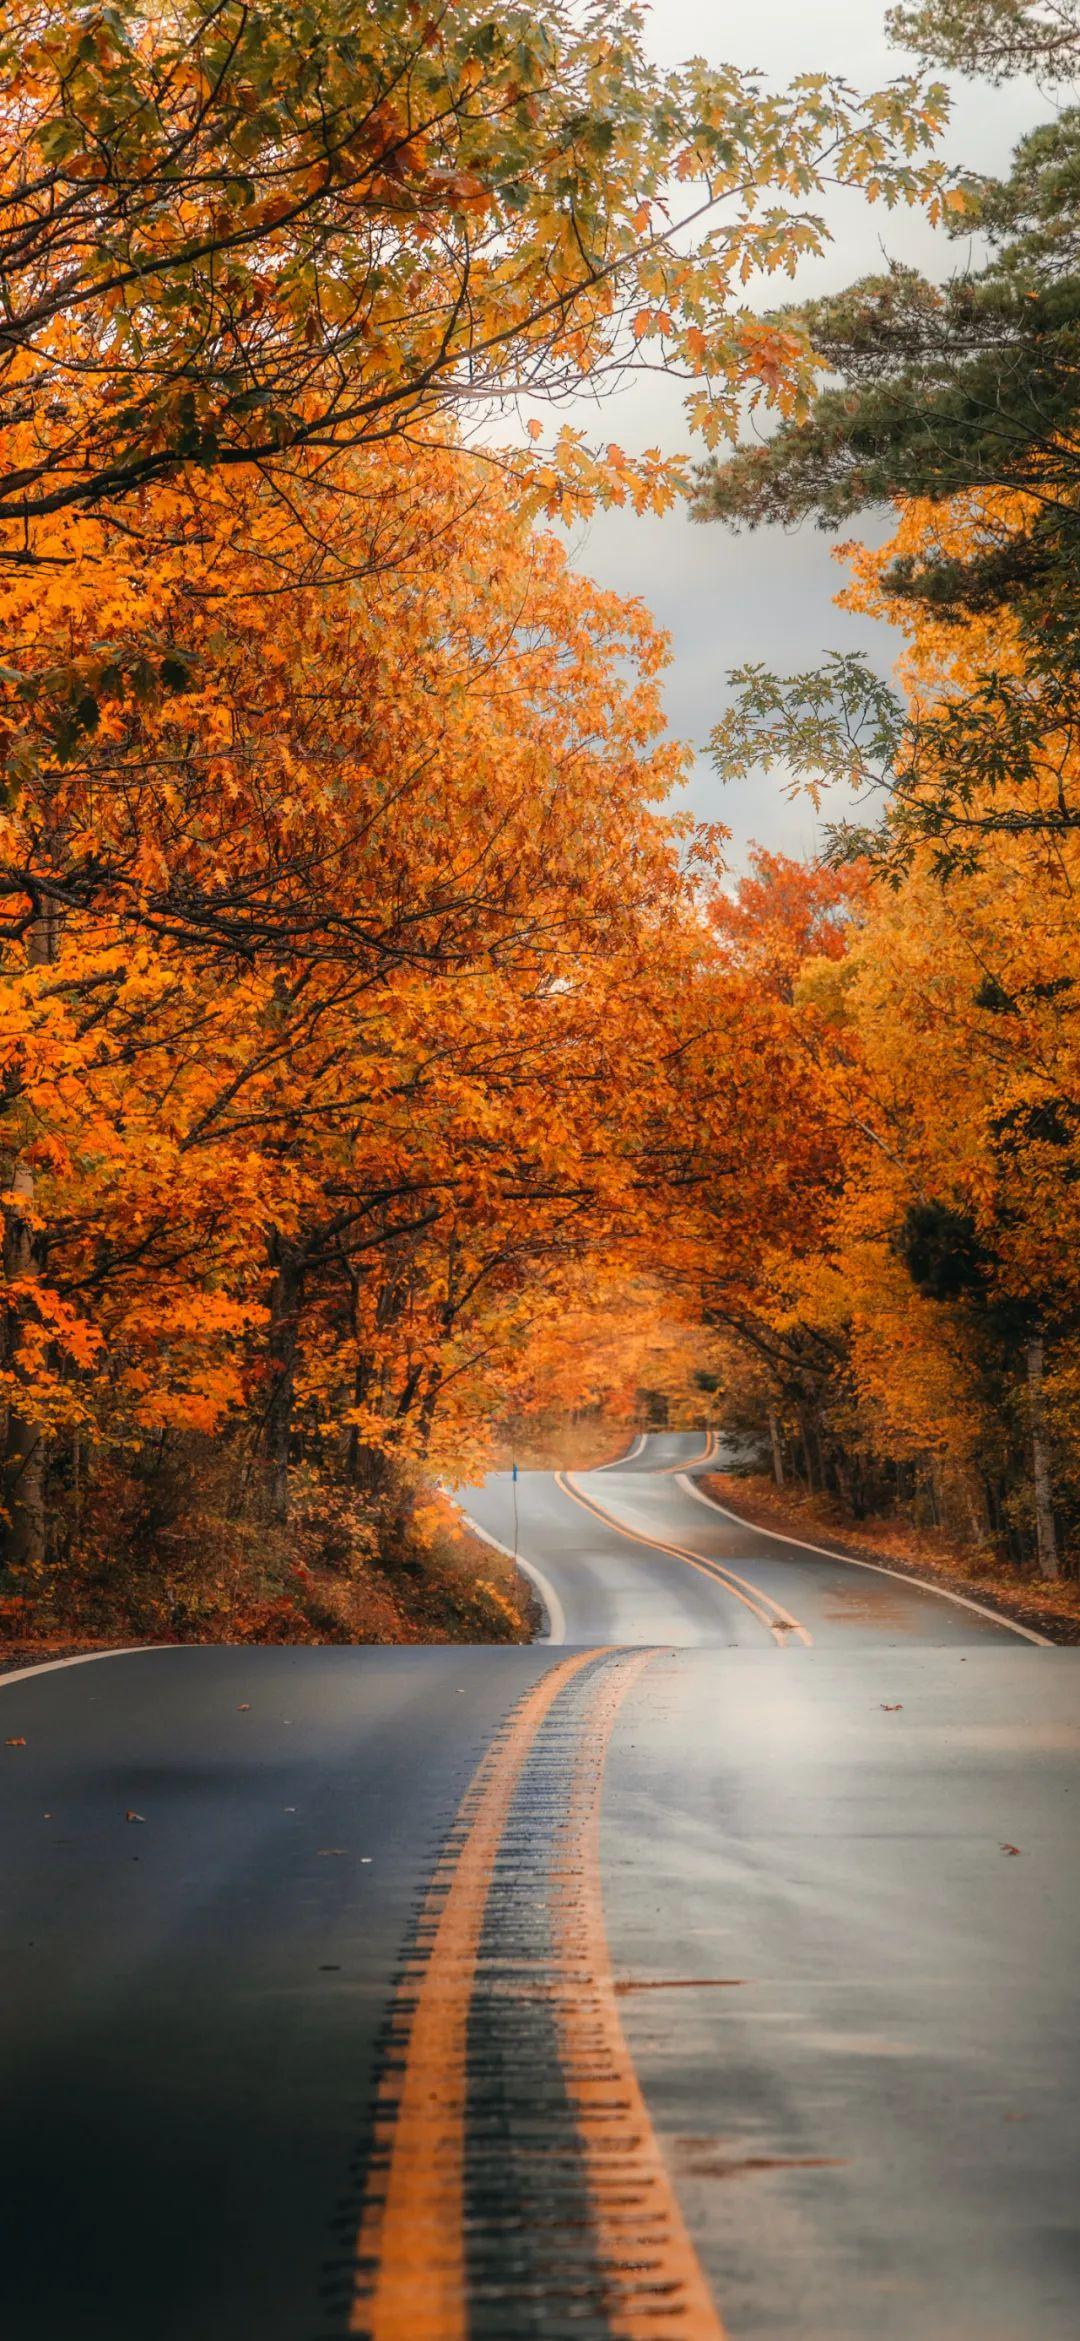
(387, 1077)
(916, 1353)
(180, 1566)
(893, 1539)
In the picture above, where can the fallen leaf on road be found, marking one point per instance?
(628, 1983)
(894, 1709)
(707, 2160)
(244, 1707)
(130, 1816)
(1010, 1849)
(14, 1743)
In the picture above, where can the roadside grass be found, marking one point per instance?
(1048, 1608)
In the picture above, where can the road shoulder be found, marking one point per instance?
(1053, 1611)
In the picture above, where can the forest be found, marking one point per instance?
(389, 1071)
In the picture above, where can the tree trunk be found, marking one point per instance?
(24, 1446)
(975, 1504)
(23, 1474)
(285, 1299)
(361, 1384)
(24, 1452)
(777, 1449)
(1046, 1539)
(842, 1478)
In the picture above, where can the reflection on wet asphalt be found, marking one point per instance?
(786, 2022)
(589, 1533)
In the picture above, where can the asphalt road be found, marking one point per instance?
(598, 1545)
(737, 1995)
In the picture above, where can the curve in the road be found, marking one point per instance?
(623, 1462)
(638, 1553)
(666, 1451)
(877, 1568)
(25, 1674)
(694, 1462)
(554, 1620)
(771, 1614)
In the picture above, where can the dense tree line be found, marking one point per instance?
(346, 954)
(380, 1061)
(936, 1329)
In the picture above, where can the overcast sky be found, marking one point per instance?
(726, 599)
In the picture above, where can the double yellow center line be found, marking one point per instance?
(771, 1614)
(413, 2280)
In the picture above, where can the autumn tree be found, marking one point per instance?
(873, 1136)
(905, 1328)
(260, 242)
(963, 1007)
(769, 1103)
(296, 1179)
(957, 394)
(228, 234)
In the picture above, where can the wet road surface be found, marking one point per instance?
(600, 1547)
(726, 1987)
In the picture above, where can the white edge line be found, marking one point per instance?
(689, 1462)
(878, 1567)
(666, 1470)
(25, 1674)
(556, 1616)
(629, 1456)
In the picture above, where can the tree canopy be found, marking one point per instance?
(995, 38)
(381, 1059)
(228, 233)
(957, 396)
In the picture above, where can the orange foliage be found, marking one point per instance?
(915, 1048)
(336, 1059)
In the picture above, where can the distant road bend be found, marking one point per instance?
(706, 1970)
(634, 1552)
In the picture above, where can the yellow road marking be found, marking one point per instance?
(413, 2225)
(771, 1614)
(411, 2244)
(656, 2287)
(689, 1462)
